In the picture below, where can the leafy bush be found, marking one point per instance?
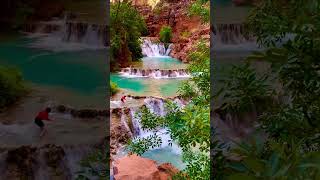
(185, 34)
(274, 160)
(113, 88)
(200, 8)
(165, 34)
(12, 86)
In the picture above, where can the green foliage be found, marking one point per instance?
(142, 145)
(198, 166)
(274, 160)
(283, 122)
(113, 88)
(95, 165)
(244, 90)
(127, 26)
(185, 34)
(200, 8)
(294, 61)
(12, 86)
(165, 34)
(200, 69)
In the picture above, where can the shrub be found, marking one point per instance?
(166, 34)
(113, 88)
(185, 34)
(12, 86)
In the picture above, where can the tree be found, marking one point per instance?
(12, 86)
(127, 26)
(165, 34)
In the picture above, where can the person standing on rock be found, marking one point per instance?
(43, 115)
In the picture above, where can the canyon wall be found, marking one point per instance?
(187, 30)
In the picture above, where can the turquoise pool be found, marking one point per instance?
(80, 73)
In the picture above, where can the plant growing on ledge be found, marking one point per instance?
(165, 35)
(12, 86)
(113, 88)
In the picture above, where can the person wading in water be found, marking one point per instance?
(43, 115)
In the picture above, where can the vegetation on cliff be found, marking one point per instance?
(113, 88)
(290, 114)
(12, 86)
(165, 34)
(127, 26)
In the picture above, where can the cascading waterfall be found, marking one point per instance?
(151, 49)
(124, 122)
(232, 34)
(154, 73)
(229, 36)
(64, 35)
(156, 106)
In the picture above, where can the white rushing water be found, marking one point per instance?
(151, 49)
(156, 106)
(233, 37)
(62, 35)
(154, 73)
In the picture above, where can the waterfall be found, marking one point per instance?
(64, 35)
(233, 36)
(124, 122)
(154, 73)
(151, 49)
(157, 107)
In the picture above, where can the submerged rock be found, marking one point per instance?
(134, 167)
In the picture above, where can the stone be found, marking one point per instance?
(133, 167)
(21, 162)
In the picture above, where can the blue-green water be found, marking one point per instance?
(78, 72)
(148, 86)
(165, 155)
(160, 63)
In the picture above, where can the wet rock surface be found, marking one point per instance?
(50, 161)
(21, 162)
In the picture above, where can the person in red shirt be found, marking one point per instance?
(43, 115)
(123, 98)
